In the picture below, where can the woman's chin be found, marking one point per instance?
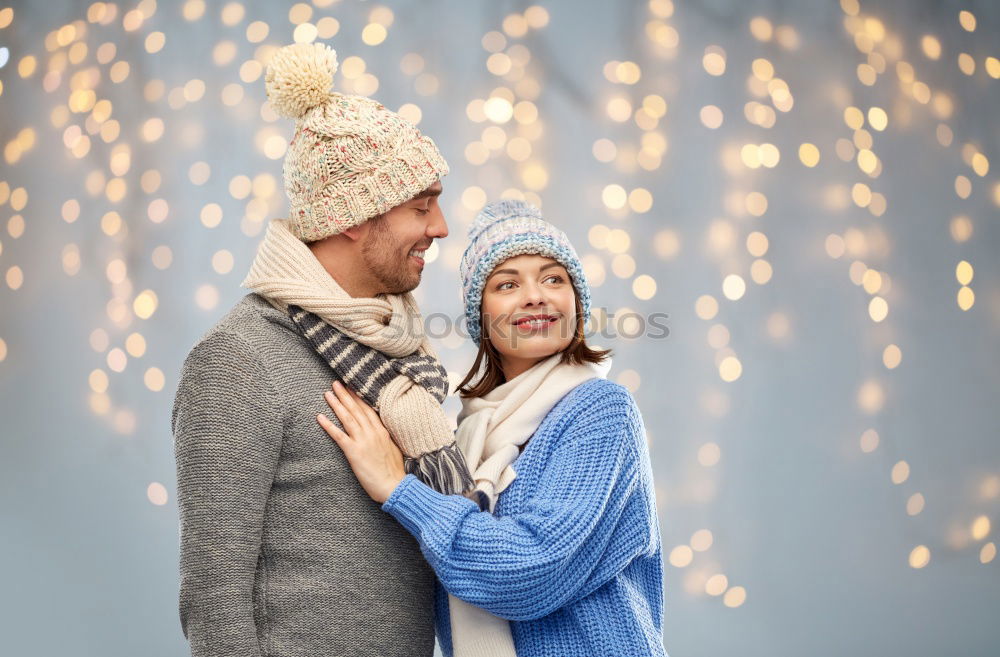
(536, 349)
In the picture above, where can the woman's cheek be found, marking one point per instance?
(497, 325)
(567, 305)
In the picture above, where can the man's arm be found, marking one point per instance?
(227, 426)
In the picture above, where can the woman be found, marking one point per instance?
(569, 552)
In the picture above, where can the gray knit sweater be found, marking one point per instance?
(283, 554)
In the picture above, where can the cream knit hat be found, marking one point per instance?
(351, 159)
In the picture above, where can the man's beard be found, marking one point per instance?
(381, 254)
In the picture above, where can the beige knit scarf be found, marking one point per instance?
(286, 273)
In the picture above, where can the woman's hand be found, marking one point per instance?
(374, 457)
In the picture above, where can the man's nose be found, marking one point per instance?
(437, 227)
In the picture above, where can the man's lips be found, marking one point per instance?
(418, 253)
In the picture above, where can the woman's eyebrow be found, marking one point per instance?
(514, 272)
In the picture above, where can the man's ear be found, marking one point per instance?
(354, 233)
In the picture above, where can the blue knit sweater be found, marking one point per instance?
(572, 554)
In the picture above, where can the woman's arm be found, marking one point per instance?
(581, 527)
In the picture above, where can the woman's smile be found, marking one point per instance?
(534, 323)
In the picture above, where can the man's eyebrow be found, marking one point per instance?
(430, 191)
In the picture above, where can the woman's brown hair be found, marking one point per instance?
(488, 358)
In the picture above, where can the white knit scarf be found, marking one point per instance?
(490, 432)
(286, 272)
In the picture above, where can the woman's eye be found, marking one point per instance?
(422, 211)
(503, 286)
(555, 278)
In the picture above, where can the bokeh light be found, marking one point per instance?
(808, 200)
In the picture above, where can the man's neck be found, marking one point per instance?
(340, 265)
(357, 289)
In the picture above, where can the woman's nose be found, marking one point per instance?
(533, 296)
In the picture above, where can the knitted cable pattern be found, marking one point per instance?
(350, 158)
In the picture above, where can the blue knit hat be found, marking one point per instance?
(505, 229)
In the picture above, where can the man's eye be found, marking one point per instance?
(422, 211)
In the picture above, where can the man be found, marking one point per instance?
(282, 551)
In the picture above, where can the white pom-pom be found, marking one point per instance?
(299, 78)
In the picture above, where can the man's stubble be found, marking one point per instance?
(385, 259)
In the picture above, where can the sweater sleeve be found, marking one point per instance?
(572, 536)
(227, 426)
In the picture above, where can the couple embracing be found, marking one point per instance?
(321, 520)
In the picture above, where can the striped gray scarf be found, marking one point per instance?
(376, 379)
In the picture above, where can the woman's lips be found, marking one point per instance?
(535, 322)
